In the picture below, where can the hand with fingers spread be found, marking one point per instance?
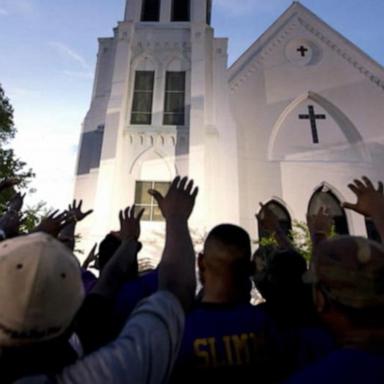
(177, 266)
(91, 258)
(53, 223)
(75, 212)
(370, 200)
(123, 265)
(130, 224)
(179, 200)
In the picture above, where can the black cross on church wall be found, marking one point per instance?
(312, 117)
(302, 50)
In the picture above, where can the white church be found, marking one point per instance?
(289, 124)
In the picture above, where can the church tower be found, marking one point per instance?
(159, 109)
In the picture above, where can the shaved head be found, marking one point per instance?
(227, 247)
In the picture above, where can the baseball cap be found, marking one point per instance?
(350, 270)
(40, 289)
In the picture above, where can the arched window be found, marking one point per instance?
(283, 216)
(323, 197)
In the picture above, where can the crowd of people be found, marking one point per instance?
(319, 322)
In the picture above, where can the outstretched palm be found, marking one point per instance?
(370, 200)
(75, 211)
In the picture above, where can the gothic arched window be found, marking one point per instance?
(283, 216)
(325, 198)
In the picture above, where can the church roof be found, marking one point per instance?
(277, 34)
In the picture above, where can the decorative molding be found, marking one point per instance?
(344, 54)
(264, 52)
(139, 139)
(281, 36)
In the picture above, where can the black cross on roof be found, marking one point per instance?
(303, 50)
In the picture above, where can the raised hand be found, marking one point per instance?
(91, 258)
(179, 200)
(75, 211)
(370, 200)
(53, 223)
(130, 224)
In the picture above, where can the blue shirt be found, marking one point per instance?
(344, 366)
(223, 343)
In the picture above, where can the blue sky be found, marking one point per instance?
(48, 53)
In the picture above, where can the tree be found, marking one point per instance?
(10, 165)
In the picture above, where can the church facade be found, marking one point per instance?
(289, 124)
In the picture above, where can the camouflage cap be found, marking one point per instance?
(350, 270)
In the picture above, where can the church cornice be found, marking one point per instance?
(296, 14)
(349, 57)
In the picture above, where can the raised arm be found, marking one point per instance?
(95, 322)
(75, 213)
(370, 201)
(177, 266)
(123, 264)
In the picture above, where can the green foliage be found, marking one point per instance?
(269, 241)
(7, 127)
(12, 167)
(300, 239)
(33, 216)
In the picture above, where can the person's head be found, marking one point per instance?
(107, 249)
(282, 277)
(261, 258)
(348, 277)
(40, 290)
(225, 260)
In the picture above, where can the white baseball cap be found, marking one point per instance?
(40, 289)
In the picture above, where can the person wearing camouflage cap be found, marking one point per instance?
(348, 284)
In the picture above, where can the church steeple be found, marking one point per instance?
(168, 11)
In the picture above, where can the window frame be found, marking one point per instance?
(286, 224)
(169, 92)
(152, 206)
(136, 93)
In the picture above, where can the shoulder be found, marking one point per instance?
(343, 366)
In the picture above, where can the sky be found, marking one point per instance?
(48, 54)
